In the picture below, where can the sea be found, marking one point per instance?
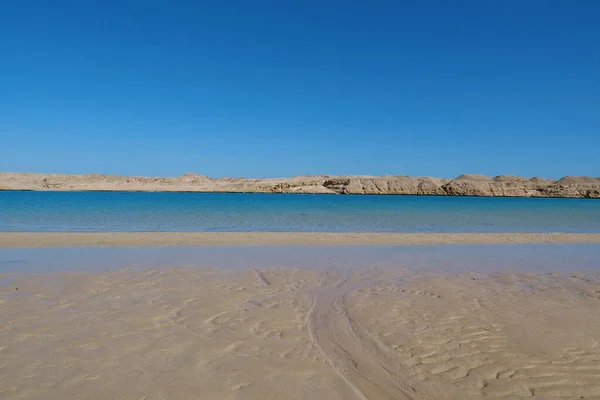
(221, 212)
(244, 212)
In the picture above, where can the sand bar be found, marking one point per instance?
(71, 239)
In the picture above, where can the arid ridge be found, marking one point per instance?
(464, 185)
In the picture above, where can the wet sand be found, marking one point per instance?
(365, 333)
(70, 239)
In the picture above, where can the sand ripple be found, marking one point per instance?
(181, 333)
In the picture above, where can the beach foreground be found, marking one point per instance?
(72, 239)
(370, 333)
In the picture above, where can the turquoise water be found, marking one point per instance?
(120, 211)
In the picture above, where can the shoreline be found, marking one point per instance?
(175, 239)
(299, 193)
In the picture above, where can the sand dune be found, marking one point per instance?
(464, 185)
(373, 333)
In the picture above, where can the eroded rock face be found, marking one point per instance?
(464, 185)
(516, 186)
(575, 186)
(386, 185)
(502, 185)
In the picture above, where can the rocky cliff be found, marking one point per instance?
(464, 185)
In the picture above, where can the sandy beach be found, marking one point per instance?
(300, 200)
(343, 326)
(71, 239)
(334, 322)
(373, 333)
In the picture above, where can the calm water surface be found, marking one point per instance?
(122, 211)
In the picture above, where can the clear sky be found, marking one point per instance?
(261, 88)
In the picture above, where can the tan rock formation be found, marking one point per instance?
(464, 185)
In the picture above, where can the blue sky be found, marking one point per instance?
(279, 88)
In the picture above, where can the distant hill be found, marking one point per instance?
(464, 185)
